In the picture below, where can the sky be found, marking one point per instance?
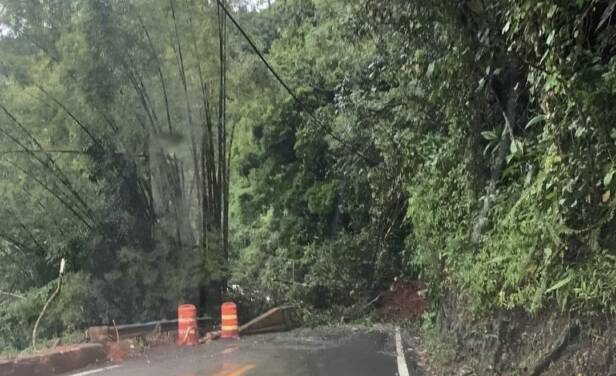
(257, 4)
(253, 4)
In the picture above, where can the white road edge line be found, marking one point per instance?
(402, 368)
(91, 372)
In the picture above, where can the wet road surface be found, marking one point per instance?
(339, 352)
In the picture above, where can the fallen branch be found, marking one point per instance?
(51, 298)
(378, 297)
(210, 336)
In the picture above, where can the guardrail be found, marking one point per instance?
(106, 333)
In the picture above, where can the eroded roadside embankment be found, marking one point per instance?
(515, 343)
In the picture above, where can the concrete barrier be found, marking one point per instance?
(70, 358)
(55, 362)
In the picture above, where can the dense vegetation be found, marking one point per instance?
(467, 143)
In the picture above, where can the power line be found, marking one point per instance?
(327, 129)
(263, 59)
(61, 151)
(46, 151)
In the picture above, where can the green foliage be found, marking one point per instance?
(106, 118)
(440, 210)
(316, 224)
(74, 308)
(511, 215)
(467, 144)
(518, 255)
(547, 234)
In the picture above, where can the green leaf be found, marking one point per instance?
(482, 84)
(551, 37)
(507, 27)
(489, 135)
(558, 285)
(430, 69)
(537, 119)
(516, 147)
(606, 197)
(607, 14)
(579, 132)
(498, 259)
(552, 11)
(608, 178)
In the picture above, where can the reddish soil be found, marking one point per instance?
(136, 347)
(403, 301)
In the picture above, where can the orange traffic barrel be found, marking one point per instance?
(229, 327)
(187, 325)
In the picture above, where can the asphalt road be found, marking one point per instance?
(339, 352)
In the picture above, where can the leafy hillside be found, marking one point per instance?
(465, 143)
